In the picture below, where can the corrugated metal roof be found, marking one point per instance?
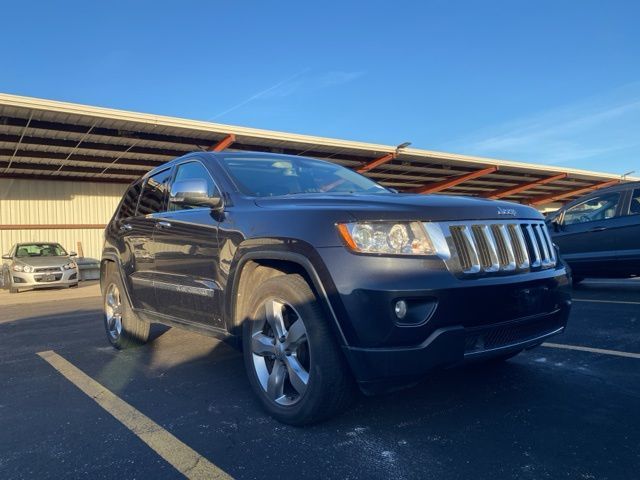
(49, 139)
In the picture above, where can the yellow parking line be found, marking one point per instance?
(184, 459)
(603, 351)
(604, 301)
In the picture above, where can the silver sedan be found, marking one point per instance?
(28, 266)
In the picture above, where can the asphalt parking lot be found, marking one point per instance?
(553, 412)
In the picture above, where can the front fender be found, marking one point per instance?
(294, 252)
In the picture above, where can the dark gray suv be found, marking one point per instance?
(326, 280)
(599, 234)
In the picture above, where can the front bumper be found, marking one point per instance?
(450, 320)
(48, 279)
(381, 369)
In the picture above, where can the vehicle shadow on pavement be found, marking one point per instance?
(201, 394)
(524, 411)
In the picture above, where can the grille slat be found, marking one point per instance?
(467, 249)
(519, 246)
(488, 247)
(505, 249)
(542, 244)
(532, 244)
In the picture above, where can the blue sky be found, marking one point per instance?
(554, 82)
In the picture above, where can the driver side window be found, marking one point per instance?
(592, 210)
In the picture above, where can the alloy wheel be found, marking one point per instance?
(113, 311)
(280, 352)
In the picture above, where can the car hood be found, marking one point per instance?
(404, 206)
(43, 261)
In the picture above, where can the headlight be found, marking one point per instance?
(17, 268)
(27, 269)
(70, 265)
(390, 238)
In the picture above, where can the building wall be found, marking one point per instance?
(42, 210)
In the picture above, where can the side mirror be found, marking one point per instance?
(73, 254)
(6, 257)
(194, 193)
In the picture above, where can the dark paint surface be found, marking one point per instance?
(601, 248)
(196, 257)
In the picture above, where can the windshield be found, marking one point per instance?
(40, 250)
(269, 177)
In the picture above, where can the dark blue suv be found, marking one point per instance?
(326, 280)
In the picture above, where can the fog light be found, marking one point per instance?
(401, 309)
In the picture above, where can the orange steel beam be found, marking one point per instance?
(451, 182)
(579, 191)
(224, 143)
(505, 192)
(378, 161)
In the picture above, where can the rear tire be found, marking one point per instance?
(124, 328)
(293, 362)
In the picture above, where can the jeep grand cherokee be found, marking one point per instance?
(325, 279)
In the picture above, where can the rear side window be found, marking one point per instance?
(154, 193)
(130, 201)
(592, 210)
(634, 208)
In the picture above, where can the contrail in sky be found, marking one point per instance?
(261, 93)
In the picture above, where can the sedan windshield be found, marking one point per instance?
(40, 250)
(269, 177)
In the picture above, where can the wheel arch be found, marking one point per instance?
(255, 267)
(111, 260)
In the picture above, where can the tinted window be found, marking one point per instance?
(266, 177)
(188, 171)
(596, 208)
(154, 193)
(130, 201)
(634, 208)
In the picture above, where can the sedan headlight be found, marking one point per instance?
(389, 238)
(70, 265)
(17, 268)
(28, 269)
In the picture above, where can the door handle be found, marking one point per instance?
(598, 229)
(163, 225)
(125, 227)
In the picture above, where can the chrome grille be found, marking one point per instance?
(496, 247)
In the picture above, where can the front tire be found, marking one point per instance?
(124, 328)
(293, 362)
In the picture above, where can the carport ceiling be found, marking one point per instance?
(52, 140)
